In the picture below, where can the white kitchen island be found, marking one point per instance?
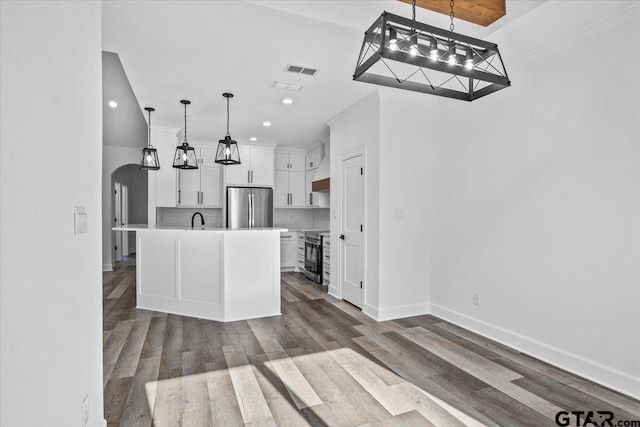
(216, 274)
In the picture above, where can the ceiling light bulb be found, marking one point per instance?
(227, 151)
(434, 55)
(468, 63)
(113, 104)
(266, 123)
(253, 138)
(184, 157)
(413, 50)
(393, 44)
(287, 101)
(148, 158)
(452, 59)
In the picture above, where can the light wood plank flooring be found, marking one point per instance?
(323, 363)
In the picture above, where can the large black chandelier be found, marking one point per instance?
(406, 54)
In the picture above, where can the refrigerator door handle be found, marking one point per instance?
(249, 211)
(252, 223)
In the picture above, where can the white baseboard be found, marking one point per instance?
(578, 365)
(397, 312)
(333, 291)
(107, 267)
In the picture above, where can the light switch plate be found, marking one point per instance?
(80, 220)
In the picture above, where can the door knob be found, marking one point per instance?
(342, 236)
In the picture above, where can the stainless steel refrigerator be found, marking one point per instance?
(249, 207)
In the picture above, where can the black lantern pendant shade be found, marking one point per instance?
(185, 156)
(406, 54)
(149, 154)
(228, 153)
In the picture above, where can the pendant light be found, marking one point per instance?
(406, 54)
(228, 153)
(149, 154)
(185, 157)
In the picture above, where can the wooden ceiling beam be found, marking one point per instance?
(481, 12)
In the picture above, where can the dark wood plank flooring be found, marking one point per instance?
(323, 363)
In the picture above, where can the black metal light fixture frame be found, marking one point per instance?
(149, 154)
(475, 73)
(228, 152)
(185, 156)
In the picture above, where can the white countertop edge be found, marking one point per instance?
(145, 227)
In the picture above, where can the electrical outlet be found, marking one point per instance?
(85, 411)
(476, 299)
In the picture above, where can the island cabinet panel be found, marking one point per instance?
(155, 265)
(216, 274)
(251, 292)
(180, 272)
(200, 272)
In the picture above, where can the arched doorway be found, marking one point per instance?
(129, 197)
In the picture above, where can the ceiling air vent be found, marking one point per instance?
(287, 86)
(298, 69)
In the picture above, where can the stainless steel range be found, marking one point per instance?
(313, 255)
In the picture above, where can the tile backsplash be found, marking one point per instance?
(302, 218)
(179, 217)
(317, 218)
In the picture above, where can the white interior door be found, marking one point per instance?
(124, 218)
(116, 220)
(351, 230)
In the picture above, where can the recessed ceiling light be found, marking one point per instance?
(287, 101)
(113, 104)
(266, 123)
(253, 138)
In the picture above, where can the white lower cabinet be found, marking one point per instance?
(288, 251)
(300, 252)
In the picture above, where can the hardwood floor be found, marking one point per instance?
(323, 363)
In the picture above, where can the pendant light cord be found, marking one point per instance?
(185, 124)
(451, 15)
(413, 10)
(149, 137)
(228, 117)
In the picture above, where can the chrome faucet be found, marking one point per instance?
(193, 217)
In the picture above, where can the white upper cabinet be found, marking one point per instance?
(290, 179)
(290, 161)
(262, 161)
(314, 157)
(201, 187)
(256, 167)
(163, 181)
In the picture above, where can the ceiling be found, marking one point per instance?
(173, 50)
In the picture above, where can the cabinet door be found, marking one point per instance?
(282, 161)
(281, 191)
(239, 174)
(211, 186)
(287, 252)
(297, 186)
(208, 156)
(297, 161)
(311, 197)
(313, 159)
(262, 166)
(188, 187)
(165, 188)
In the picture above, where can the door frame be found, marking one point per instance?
(359, 151)
(124, 218)
(117, 211)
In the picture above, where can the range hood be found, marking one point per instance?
(321, 180)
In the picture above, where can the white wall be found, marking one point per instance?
(354, 128)
(536, 204)
(404, 203)
(51, 284)
(112, 159)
